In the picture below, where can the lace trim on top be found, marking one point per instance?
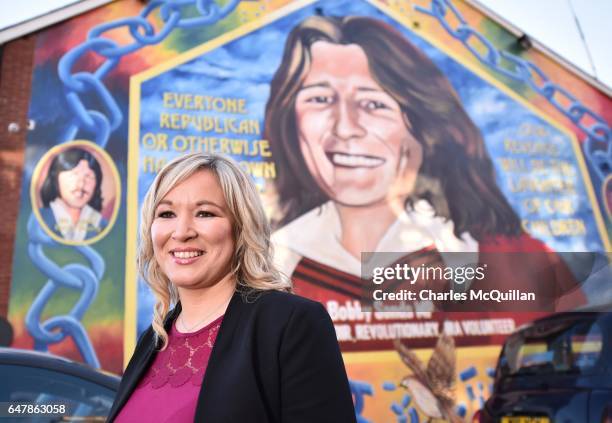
(185, 359)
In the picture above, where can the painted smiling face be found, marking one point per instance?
(352, 133)
(192, 233)
(77, 185)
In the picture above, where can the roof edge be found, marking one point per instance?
(517, 32)
(55, 16)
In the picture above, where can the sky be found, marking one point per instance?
(23, 10)
(551, 22)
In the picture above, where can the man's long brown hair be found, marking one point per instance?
(456, 177)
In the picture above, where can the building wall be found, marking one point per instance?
(157, 87)
(15, 86)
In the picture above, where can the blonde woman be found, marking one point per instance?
(229, 342)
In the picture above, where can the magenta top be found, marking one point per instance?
(169, 390)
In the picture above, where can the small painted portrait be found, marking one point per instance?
(76, 192)
(607, 195)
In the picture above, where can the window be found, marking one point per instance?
(82, 397)
(567, 347)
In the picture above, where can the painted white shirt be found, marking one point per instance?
(89, 218)
(317, 235)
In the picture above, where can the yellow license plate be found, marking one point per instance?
(524, 419)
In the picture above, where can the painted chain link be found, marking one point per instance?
(73, 276)
(85, 85)
(82, 88)
(597, 145)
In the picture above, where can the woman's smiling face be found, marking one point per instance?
(352, 133)
(192, 233)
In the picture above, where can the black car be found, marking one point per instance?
(39, 387)
(555, 370)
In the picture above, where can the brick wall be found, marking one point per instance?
(15, 86)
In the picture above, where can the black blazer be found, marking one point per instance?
(275, 359)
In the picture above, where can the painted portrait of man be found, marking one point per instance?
(71, 195)
(375, 153)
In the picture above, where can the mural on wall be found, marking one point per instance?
(366, 126)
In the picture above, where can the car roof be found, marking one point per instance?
(578, 315)
(29, 358)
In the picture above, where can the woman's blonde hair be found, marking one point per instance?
(252, 264)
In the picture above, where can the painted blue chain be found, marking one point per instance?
(597, 145)
(97, 125)
(73, 276)
(85, 85)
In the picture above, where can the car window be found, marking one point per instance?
(563, 348)
(586, 346)
(82, 398)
